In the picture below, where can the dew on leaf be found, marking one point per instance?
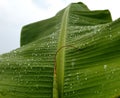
(115, 90)
(8, 63)
(118, 32)
(37, 86)
(12, 78)
(28, 64)
(3, 70)
(85, 78)
(67, 79)
(96, 92)
(96, 72)
(110, 36)
(105, 66)
(78, 77)
(73, 92)
(33, 44)
(27, 82)
(69, 74)
(73, 63)
(14, 51)
(71, 85)
(112, 72)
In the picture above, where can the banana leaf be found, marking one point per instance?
(75, 54)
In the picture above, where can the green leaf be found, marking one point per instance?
(75, 54)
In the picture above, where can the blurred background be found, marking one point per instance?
(14, 14)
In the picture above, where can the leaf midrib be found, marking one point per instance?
(60, 59)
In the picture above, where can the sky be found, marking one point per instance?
(14, 14)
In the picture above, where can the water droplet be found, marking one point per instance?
(36, 54)
(33, 44)
(15, 51)
(71, 85)
(72, 64)
(73, 92)
(85, 78)
(69, 74)
(67, 79)
(112, 71)
(8, 63)
(12, 78)
(3, 70)
(53, 36)
(115, 90)
(96, 72)
(37, 86)
(110, 36)
(96, 92)
(27, 82)
(28, 64)
(78, 78)
(98, 30)
(105, 66)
